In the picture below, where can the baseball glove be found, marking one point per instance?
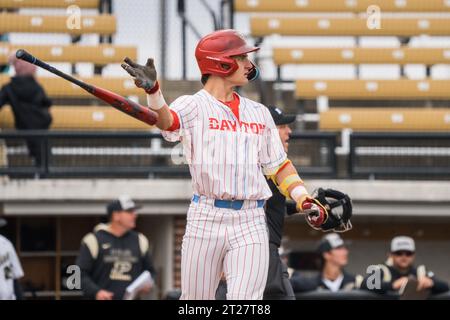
(339, 208)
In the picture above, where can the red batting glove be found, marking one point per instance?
(315, 212)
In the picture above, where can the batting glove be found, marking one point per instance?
(144, 76)
(315, 213)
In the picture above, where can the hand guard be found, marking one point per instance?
(144, 76)
(338, 220)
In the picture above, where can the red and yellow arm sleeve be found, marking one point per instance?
(289, 182)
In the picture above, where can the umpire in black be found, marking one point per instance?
(278, 286)
(114, 255)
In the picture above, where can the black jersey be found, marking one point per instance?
(111, 263)
(276, 209)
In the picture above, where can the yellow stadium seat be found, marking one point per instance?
(300, 26)
(340, 5)
(58, 87)
(101, 24)
(100, 54)
(374, 89)
(82, 118)
(15, 4)
(385, 119)
(402, 55)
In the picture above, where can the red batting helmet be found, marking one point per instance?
(214, 52)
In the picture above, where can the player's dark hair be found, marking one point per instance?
(205, 78)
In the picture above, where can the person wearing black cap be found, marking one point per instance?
(10, 269)
(399, 268)
(332, 276)
(114, 255)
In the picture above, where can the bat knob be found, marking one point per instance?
(20, 53)
(23, 55)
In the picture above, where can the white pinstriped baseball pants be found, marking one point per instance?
(233, 241)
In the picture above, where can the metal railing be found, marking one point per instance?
(187, 23)
(399, 154)
(314, 153)
(144, 154)
(227, 8)
(72, 154)
(130, 154)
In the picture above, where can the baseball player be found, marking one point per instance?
(10, 270)
(278, 286)
(231, 143)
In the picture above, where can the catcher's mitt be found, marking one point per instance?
(339, 207)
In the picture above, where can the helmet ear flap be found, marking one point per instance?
(227, 66)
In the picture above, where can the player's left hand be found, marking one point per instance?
(314, 211)
(144, 76)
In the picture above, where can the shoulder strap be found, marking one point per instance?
(143, 244)
(91, 242)
(421, 271)
(358, 281)
(387, 276)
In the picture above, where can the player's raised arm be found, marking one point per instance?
(145, 77)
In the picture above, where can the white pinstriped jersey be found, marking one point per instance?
(10, 269)
(227, 157)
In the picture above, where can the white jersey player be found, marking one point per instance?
(230, 143)
(10, 269)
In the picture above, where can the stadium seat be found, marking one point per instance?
(385, 119)
(58, 87)
(339, 5)
(101, 24)
(374, 89)
(300, 26)
(100, 54)
(14, 4)
(82, 118)
(402, 55)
